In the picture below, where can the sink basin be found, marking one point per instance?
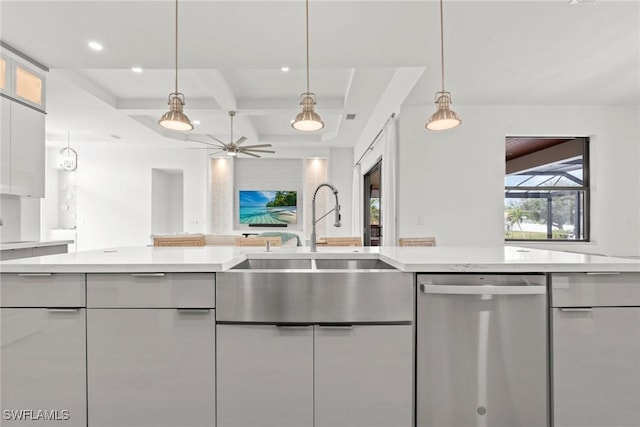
(350, 264)
(312, 264)
(273, 264)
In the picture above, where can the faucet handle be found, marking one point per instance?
(268, 244)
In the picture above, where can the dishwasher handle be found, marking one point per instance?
(482, 289)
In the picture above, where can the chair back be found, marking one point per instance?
(339, 241)
(258, 241)
(417, 241)
(179, 240)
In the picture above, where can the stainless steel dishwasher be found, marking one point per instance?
(482, 357)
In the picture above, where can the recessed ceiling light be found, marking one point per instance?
(95, 46)
(136, 69)
(196, 122)
(284, 69)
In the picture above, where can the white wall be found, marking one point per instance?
(114, 192)
(451, 183)
(340, 176)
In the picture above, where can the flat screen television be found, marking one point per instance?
(268, 208)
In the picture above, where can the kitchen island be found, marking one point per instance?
(148, 336)
(441, 259)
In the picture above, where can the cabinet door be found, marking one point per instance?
(596, 368)
(265, 376)
(5, 146)
(364, 376)
(27, 151)
(151, 367)
(43, 367)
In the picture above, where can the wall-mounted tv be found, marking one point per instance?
(268, 208)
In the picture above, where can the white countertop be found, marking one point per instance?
(24, 244)
(504, 259)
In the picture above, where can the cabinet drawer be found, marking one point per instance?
(42, 290)
(151, 290)
(595, 289)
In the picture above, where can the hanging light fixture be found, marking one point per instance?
(175, 119)
(69, 156)
(308, 120)
(444, 118)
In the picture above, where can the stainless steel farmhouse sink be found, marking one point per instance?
(312, 264)
(274, 264)
(310, 291)
(351, 264)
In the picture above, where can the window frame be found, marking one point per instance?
(585, 189)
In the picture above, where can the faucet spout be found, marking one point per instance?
(314, 221)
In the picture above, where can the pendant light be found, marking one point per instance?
(308, 120)
(69, 160)
(444, 118)
(175, 119)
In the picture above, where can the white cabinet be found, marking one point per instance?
(363, 376)
(596, 364)
(22, 145)
(265, 376)
(151, 364)
(5, 145)
(337, 376)
(43, 367)
(43, 350)
(22, 133)
(151, 367)
(596, 350)
(27, 151)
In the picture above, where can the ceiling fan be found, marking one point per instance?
(234, 148)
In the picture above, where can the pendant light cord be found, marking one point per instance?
(307, 29)
(442, 43)
(176, 46)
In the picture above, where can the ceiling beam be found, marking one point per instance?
(217, 85)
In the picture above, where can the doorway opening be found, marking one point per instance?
(167, 200)
(372, 192)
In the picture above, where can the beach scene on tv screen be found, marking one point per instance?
(268, 207)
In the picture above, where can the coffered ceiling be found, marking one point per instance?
(367, 59)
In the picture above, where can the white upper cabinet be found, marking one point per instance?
(29, 86)
(22, 128)
(22, 81)
(5, 85)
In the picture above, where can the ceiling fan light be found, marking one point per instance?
(444, 118)
(308, 120)
(175, 119)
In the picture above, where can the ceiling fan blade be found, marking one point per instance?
(256, 151)
(257, 146)
(203, 142)
(249, 154)
(241, 140)
(216, 139)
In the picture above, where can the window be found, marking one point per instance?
(546, 189)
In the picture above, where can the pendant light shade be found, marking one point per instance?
(444, 118)
(308, 120)
(175, 119)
